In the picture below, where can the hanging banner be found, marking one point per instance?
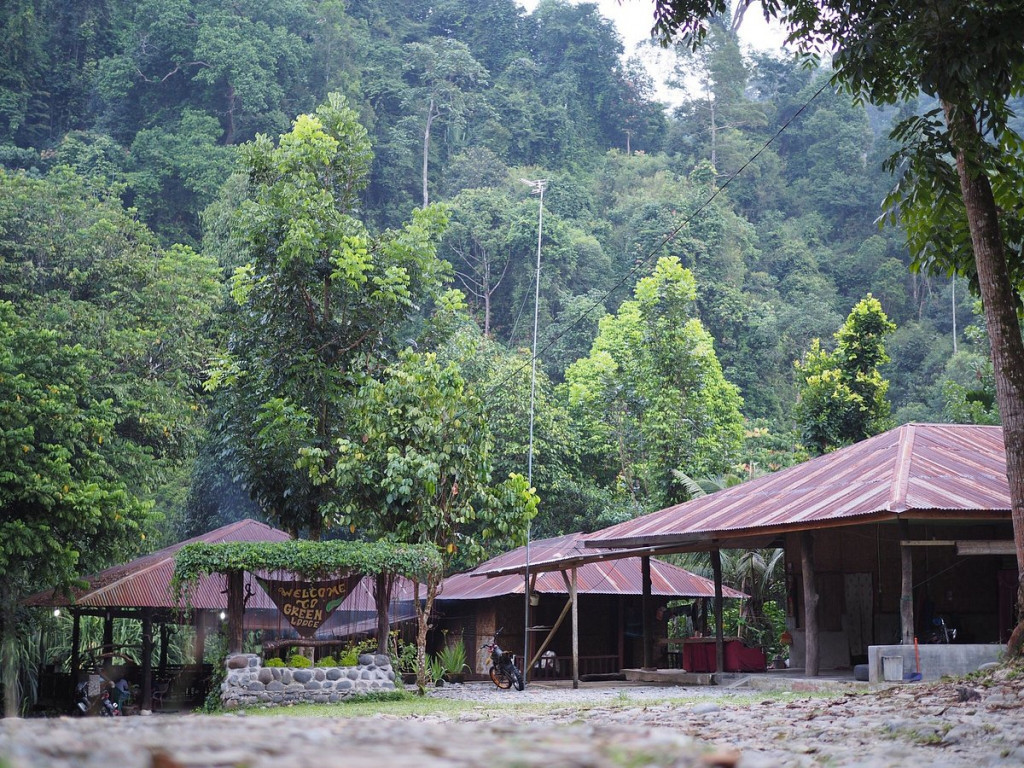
(307, 604)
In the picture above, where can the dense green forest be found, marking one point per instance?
(178, 351)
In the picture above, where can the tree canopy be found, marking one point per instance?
(319, 306)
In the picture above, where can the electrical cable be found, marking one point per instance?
(642, 262)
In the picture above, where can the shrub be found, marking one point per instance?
(274, 662)
(299, 661)
(328, 661)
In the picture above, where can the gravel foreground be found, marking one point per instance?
(967, 723)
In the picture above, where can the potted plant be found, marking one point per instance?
(450, 663)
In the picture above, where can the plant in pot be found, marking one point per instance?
(450, 663)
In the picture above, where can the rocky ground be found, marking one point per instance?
(967, 723)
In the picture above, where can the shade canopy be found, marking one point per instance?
(924, 471)
(620, 576)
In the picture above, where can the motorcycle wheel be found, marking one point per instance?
(500, 678)
(517, 678)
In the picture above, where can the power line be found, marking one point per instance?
(642, 262)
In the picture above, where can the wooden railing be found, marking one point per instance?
(560, 667)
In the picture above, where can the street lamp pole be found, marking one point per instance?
(537, 186)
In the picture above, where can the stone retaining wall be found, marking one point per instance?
(248, 683)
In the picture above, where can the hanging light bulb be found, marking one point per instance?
(56, 612)
(223, 615)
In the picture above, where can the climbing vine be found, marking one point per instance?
(310, 559)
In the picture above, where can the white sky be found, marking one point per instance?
(634, 19)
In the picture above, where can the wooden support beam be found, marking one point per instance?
(165, 641)
(925, 542)
(236, 610)
(574, 595)
(147, 659)
(554, 628)
(811, 638)
(646, 608)
(108, 633)
(906, 586)
(716, 567)
(998, 547)
(76, 643)
(199, 649)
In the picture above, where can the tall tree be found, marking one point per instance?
(651, 398)
(321, 305)
(842, 394)
(417, 469)
(478, 243)
(970, 58)
(447, 76)
(102, 347)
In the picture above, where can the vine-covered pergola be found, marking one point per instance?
(304, 559)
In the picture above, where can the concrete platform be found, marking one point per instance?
(669, 676)
(773, 680)
(936, 661)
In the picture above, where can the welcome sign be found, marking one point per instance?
(307, 604)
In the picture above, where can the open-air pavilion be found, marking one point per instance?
(610, 595)
(900, 536)
(140, 590)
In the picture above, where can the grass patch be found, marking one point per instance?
(401, 703)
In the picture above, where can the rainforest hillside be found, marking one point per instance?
(691, 256)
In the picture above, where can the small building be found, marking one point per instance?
(475, 608)
(904, 535)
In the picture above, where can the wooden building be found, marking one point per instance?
(902, 535)
(611, 607)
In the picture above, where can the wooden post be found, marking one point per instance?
(199, 649)
(907, 586)
(236, 609)
(716, 567)
(574, 592)
(645, 610)
(76, 642)
(108, 634)
(811, 640)
(164, 643)
(147, 659)
(622, 633)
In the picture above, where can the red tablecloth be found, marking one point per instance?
(699, 656)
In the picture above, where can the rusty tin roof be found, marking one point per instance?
(143, 583)
(620, 576)
(950, 471)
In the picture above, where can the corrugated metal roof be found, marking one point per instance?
(143, 583)
(620, 576)
(942, 470)
(611, 577)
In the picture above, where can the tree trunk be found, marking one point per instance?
(422, 625)
(382, 589)
(8, 654)
(1004, 334)
(431, 114)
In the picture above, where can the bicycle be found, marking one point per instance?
(503, 670)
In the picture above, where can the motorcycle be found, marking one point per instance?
(503, 670)
(102, 705)
(941, 632)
